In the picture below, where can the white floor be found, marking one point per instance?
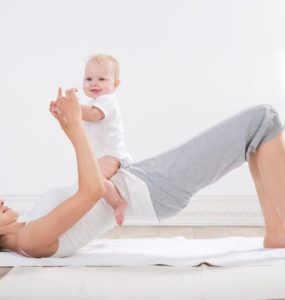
(190, 232)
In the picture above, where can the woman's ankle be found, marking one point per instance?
(275, 229)
(274, 237)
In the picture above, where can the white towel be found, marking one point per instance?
(178, 251)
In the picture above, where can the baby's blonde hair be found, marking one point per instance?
(101, 58)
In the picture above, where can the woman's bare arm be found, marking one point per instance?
(40, 237)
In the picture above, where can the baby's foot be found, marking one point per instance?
(119, 212)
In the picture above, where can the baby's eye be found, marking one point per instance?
(88, 79)
(101, 79)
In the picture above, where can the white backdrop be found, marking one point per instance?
(186, 64)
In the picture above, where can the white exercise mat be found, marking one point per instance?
(178, 251)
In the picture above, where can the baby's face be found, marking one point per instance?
(99, 79)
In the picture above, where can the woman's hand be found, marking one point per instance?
(53, 104)
(66, 109)
(69, 109)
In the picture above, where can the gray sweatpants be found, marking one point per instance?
(174, 176)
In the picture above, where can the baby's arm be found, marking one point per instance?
(91, 113)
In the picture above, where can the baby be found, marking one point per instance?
(103, 124)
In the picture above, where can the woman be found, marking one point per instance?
(39, 238)
(68, 218)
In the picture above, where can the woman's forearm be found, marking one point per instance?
(90, 179)
(69, 114)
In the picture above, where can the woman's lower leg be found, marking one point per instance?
(270, 161)
(274, 223)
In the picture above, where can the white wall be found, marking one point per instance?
(186, 64)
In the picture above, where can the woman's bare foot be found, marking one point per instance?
(274, 239)
(113, 197)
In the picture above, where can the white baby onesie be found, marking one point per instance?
(107, 135)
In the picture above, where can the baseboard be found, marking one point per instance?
(203, 210)
(220, 210)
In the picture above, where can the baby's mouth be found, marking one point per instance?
(95, 90)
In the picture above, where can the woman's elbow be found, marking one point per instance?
(100, 192)
(33, 247)
(94, 194)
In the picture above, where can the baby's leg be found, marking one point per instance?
(113, 197)
(109, 165)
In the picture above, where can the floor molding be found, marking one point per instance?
(220, 210)
(203, 210)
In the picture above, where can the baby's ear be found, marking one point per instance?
(117, 83)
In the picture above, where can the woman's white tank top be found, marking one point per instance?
(101, 217)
